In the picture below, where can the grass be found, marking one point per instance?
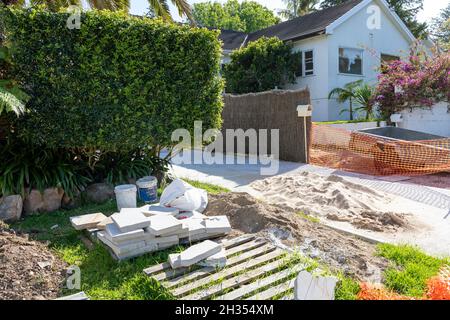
(308, 217)
(410, 269)
(210, 188)
(101, 276)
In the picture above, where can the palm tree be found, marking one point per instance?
(347, 93)
(298, 8)
(363, 96)
(159, 7)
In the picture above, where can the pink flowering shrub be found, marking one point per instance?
(419, 82)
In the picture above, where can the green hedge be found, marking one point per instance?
(118, 83)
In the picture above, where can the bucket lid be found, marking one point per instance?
(147, 179)
(125, 188)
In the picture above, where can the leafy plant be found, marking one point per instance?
(364, 98)
(261, 65)
(118, 83)
(420, 81)
(23, 165)
(347, 93)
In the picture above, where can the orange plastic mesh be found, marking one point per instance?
(369, 154)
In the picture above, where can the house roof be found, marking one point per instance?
(299, 28)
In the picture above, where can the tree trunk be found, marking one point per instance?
(351, 109)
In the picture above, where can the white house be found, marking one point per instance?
(339, 45)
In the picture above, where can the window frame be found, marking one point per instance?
(362, 62)
(304, 75)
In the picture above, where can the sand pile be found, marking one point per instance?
(282, 224)
(28, 270)
(334, 198)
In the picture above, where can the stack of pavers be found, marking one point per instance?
(136, 231)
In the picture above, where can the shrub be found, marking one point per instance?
(117, 84)
(419, 82)
(262, 65)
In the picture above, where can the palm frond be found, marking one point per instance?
(184, 9)
(161, 9)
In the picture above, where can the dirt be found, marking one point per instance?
(335, 198)
(341, 252)
(438, 180)
(28, 269)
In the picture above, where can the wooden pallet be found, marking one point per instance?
(254, 271)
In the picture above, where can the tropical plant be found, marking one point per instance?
(262, 65)
(23, 165)
(364, 98)
(56, 5)
(347, 93)
(418, 82)
(247, 16)
(298, 8)
(441, 28)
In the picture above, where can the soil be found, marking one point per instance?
(334, 198)
(340, 252)
(28, 269)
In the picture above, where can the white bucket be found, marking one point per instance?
(126, 196)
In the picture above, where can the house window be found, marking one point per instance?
(387, 58)
(309, 63)
(350, 61)
(306, 67)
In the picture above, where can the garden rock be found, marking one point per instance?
(11, 208)
(99, 192)
(47, 201)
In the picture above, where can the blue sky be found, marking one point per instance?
(431, 7)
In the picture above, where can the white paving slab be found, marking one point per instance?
(152, 210)
(162, 225)
(190, 214)
(218, 260)
(218, 224)
(131, 220)
(87, 221)
(309, 287)
(121, 249)
(114, 234)
(195, 226)
(194, 254)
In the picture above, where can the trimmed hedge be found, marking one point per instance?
(118, 83)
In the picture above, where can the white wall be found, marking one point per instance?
(435, 120)
(317, 83)
(354, 33)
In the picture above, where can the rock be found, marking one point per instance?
(47, 201)
(11, 208)
(99, 192)
(71, 202)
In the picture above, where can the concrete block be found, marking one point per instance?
(190, 214)
(218, 260)
(116, 235)
(121, 249)
(194, 254)
(195, 226)
(218, 224)
(153, 210)
(309, 287)
(144, 250)
(163, 225)
(102, 224)
(87, 221)
(166, 242)
(131, 220)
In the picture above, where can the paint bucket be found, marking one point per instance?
(126, 196)
(147, 189)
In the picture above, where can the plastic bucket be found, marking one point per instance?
(147, 189)
(126, 196)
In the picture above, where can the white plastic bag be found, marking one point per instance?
(181, 195)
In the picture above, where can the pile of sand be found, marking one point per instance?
(283, 225)
(334, 198)
(28, 270)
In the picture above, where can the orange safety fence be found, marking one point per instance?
(375, 155)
